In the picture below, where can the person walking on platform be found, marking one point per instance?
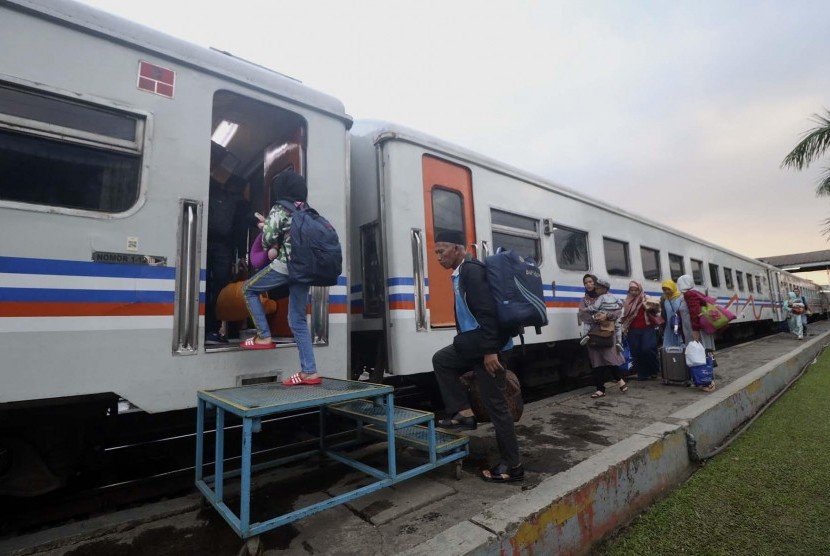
(695, 302)
(288, 186)
(640, 325)
(806, 312)
(678, 325)
(795, 309)
(478, 345)
(603, 359)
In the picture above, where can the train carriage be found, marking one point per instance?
(408, 186)
(110, 136)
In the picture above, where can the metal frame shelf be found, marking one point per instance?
(372, 408)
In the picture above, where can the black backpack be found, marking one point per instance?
(316, 257)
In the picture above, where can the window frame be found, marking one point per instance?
(702, 273)
(74, 135)
(758, 284)
(587, 235)
(43, 130)
(682, 266)
(445, 189)
(626, 252)
(656, 252)
(518, 232)
(714, 279)
(728, 278)
(749, 285)
(739, 278)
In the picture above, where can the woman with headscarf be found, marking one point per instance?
(695, 302)
(603, 360)
(676, 330)
(640, 324)
(793, 319)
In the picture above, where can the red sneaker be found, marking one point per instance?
(251, 343)
(296, 380)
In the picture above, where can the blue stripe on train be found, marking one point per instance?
(53, 267)
(88, 296)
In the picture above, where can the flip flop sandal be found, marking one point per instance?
(624, 388)
(502, 474)
(296, 380)
(251, 343)
(458, 421)
(598, 394)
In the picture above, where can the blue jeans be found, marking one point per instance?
(268, 279)
(643, 345)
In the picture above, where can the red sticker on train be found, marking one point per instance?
(156, 79)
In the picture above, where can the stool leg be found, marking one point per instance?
(390, 434)
(200, 438)
(245, 495)
(219, 455)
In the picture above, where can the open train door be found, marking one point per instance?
(776, 294)
(448, 205)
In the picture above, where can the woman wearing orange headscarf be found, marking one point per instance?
(640, 325)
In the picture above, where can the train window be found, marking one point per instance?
(447, 211)
(714, 275)
(651, 263)
(571, 248)
(758, 284)
(516, 233)
(697, 272)
(749, 284)
(676, 266)
(727, 278)
(739, 276)
(62, 153)
(616, 257)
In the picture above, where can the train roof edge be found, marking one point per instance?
(380, 131)
(210, 60)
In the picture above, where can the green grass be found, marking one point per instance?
(768, 493)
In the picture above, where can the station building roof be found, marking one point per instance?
(800, 262)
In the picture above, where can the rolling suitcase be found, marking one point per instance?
(673, 365)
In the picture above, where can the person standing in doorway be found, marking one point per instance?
(288, 186)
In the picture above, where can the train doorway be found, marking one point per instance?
(251, 143)
(448, 206)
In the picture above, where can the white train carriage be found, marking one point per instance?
(110, 134)
(407, 186)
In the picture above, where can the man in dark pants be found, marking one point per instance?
(479, 345)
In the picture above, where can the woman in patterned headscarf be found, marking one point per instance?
(640, 325)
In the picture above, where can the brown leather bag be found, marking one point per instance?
(600, 336)
(512, 391)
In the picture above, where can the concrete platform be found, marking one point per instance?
(591, 466)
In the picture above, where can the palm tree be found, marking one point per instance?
(814, 144)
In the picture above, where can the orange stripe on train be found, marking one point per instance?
(51, 309)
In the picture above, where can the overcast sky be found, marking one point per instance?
(680, 111)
